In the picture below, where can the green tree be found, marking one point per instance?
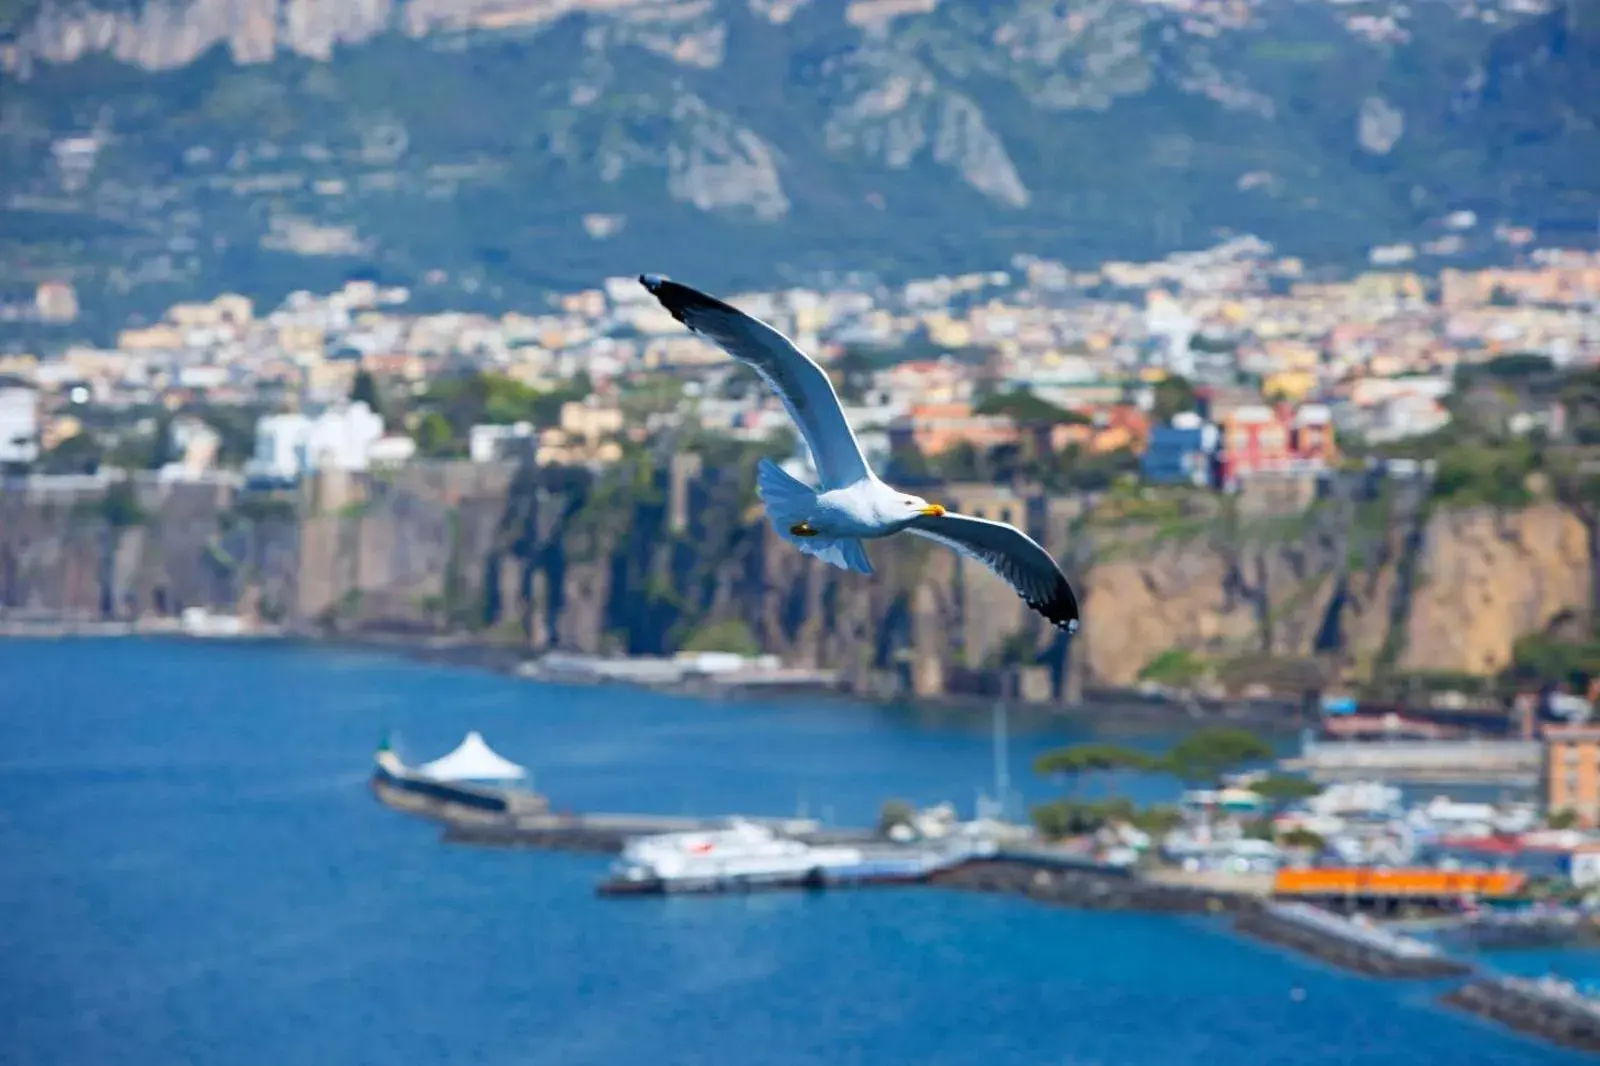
(1301, 837)
(1575, 483)
(1280, 790)
(894, 812)
(1085, 762)
(1158, 819)
(1023, 407)
(81, 453)
(364, 389)
(1203, 757)
(1069, 817)
(1173, 395)
(435, 437)
(1566, 818)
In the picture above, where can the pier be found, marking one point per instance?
(1469, 761)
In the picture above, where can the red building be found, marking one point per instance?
(1260, 439)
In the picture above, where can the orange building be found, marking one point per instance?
(1108, 429)
(1572, 771)
(935, 428)
(1364, 882)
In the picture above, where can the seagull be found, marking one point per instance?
(853, 505)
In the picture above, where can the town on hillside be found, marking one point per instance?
(1213, 369)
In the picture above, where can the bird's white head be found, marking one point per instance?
(910, 508)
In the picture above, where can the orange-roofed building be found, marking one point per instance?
(935, 428)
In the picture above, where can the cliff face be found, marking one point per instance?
(636, 562)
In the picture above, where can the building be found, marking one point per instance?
(492, 443)
(1259, 439)
(56, 302)
(193, 446)
(1181, 453)
(1572, 771)
(291, 445)
(19, 421)
(935, 428)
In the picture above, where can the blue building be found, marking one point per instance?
(1181, 453)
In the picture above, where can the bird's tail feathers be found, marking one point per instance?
(790, 502)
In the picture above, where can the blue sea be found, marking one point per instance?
(193, 871)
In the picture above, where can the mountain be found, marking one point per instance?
(488, 151)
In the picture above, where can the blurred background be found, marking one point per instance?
(1275, 321)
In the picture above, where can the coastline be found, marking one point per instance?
(1098, 706)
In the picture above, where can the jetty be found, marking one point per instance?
(1550, 1009)
(1347, 943)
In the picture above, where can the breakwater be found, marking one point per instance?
(1086, 885)
(1549, 1010)
(1344, 943)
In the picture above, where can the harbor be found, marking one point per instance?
(1391, 898)
(658, 855)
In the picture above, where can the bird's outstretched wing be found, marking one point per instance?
(801, 384)
(1012, 554)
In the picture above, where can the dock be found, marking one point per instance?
(1470, 761)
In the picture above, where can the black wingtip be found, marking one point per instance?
(1060, 609)
(679, 300)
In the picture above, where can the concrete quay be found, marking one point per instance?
(1470, 761)
(1540, 1009)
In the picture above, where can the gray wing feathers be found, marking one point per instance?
(1014, 556)
(800, 383)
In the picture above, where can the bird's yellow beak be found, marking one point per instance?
(933, 510)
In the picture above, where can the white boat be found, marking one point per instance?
(747, 855)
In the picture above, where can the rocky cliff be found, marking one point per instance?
(1365, 577)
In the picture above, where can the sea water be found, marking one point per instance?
(193, 871)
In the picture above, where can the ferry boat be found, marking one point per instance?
(745, 856)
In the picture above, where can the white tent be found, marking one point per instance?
(473, 760)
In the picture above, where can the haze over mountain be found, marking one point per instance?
(487, 151)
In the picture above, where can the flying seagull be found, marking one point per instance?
(852, 505)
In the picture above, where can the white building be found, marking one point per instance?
(291, 445)
(193, 446)
(490, 443)
(19, 421)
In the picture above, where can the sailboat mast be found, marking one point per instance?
(1002, 770)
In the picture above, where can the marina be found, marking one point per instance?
(481, 799)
